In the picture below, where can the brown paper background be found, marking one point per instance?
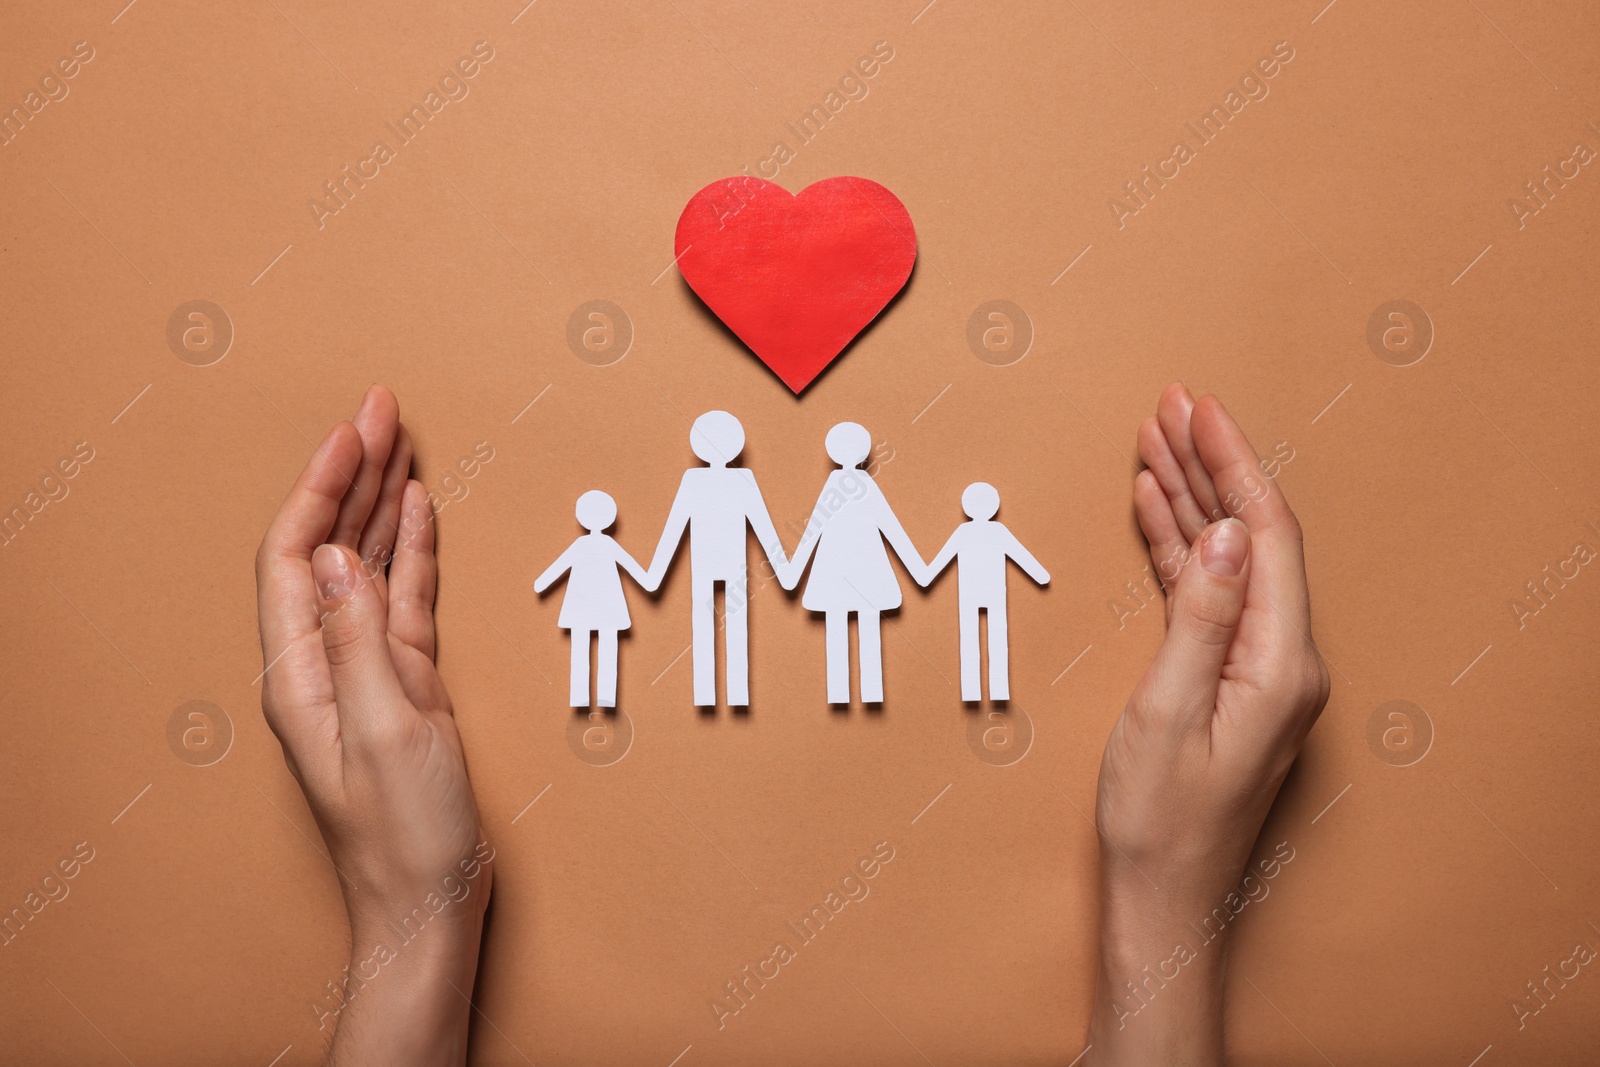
(1378, 168)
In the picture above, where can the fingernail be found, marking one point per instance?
(330, 569)
(1224, 548)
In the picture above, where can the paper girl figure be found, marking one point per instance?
(594, 605)
(980, 549)
(851, 572)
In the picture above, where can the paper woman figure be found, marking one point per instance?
(594, 605)
(980, 549)
(851, 573)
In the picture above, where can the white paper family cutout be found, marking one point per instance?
(843, 545)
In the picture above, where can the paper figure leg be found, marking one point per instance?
(999, 655)
(605, 682)
(838, 623)
(736, 641)
(971, 683)
(870, 639)
(580, 669)
(704, 627)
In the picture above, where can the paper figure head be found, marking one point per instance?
(980, 501)
(848, 444)
(596, 511)
(717, 438)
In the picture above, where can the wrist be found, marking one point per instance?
(405, 1001)
(451, 906)
(420, 941)
(1158, 993)
(404, 996)
(389, 901)
(1153, 942)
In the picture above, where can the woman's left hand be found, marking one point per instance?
(367, 729)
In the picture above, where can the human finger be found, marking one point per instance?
(285, 605)
(414, 575)
(355, 637)
(1157, 455)
(1174, 411)
(1169, 548)
(378, 539)
(1206, 608)
(376, 419)
(1258, 501)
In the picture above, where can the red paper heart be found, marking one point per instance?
(796, 277)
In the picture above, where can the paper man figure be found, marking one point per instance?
(981, 548)
(714, 505)
(851, 572)
(594, 604)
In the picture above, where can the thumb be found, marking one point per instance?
(355, 635)
(1206, 608)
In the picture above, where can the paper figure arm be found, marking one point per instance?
(553, 572)
(942, 560)
(900, 541)
(1025, 560)
(808, 544)
(667, 547)
(633, 568)
(766, 532)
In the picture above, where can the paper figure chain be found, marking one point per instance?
(843, 545)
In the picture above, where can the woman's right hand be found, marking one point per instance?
(1194, 762)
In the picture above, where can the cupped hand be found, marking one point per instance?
(345, 581)
(1198, 755)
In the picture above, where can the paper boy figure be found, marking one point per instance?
(981, 548)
